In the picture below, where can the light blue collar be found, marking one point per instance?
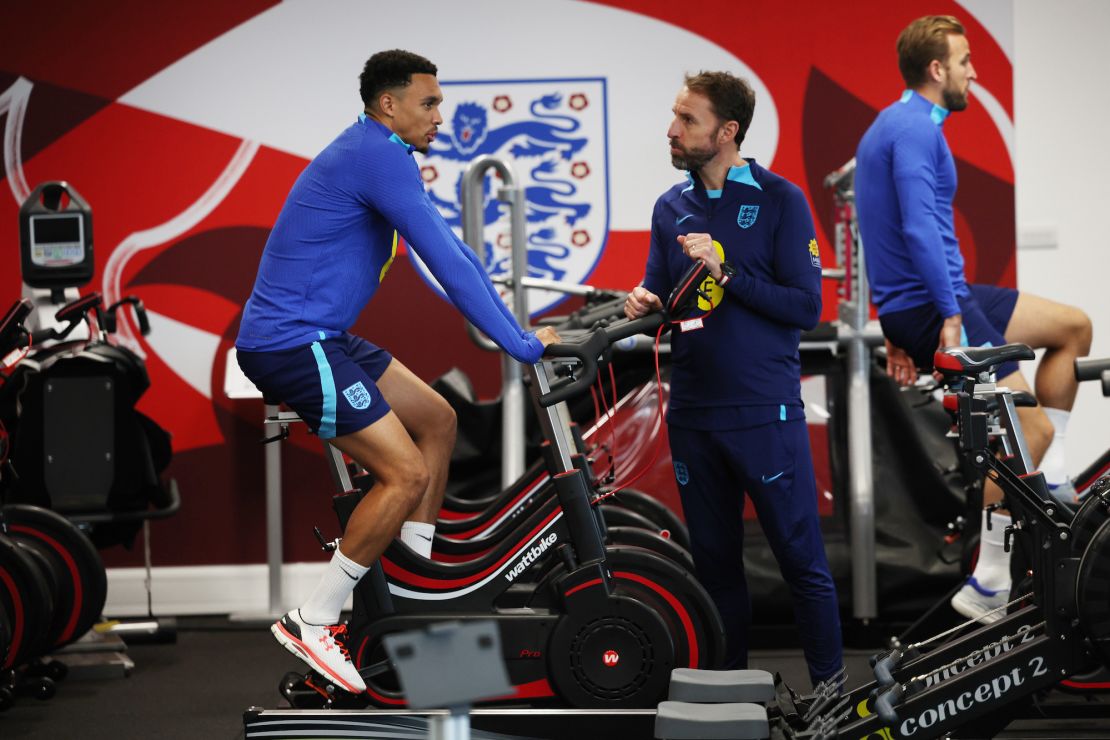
(936, 112)
(741, 173)
(363, 118)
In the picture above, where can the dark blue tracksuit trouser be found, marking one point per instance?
(772, 463)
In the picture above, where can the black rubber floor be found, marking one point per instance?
(200, 687)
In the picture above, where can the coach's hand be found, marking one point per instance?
(641, 302)
(700, 247)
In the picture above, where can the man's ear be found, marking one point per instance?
(935, 70)
(727, 132)
(386, 102)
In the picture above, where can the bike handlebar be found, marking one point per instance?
(1094, 369)
(12, 332)
(587, 349)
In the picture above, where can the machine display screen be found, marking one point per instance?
(57, 240)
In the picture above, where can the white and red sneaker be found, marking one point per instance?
(324, 647)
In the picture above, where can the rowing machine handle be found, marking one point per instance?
(587, 349)
(884, 705)
(884, 667)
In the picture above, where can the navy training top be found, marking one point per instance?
(336, 236)
(905, 181)
(742, 368)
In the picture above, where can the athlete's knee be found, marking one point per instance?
(408, 478)
(446, 421)
(438, 423)
(1082, 331)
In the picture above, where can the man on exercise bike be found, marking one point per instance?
(736, 421)
(905, 183)
(330, 248)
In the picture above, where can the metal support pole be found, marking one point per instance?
(512, 390)
(862, 502)
(273, 520)
(855, 311)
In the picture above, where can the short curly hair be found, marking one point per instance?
(923, 41)
(732, 98)
(390, 69)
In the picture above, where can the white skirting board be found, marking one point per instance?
(207, 589)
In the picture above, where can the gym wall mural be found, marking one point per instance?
(184, 125)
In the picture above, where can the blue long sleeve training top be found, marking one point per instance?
(905, 181)
(336, 237)
(743, 367)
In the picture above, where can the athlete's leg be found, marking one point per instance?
(430, 421)
(1064, 332)
(312, 632)
(400, 481)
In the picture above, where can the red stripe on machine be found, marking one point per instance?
(71, 564)
(683, 615)
(412, 579)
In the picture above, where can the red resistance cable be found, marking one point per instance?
(659, 417)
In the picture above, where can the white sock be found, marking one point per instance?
(1053, 465)
(339, 580)
(418, 536)
(992, 571)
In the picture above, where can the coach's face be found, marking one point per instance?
(695, 131)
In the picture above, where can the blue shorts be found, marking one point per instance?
(985, 315)
(331, 384)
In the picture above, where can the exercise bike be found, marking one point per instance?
(601, 627)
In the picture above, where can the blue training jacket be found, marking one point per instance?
(905, 181)
(336, 237)
(742, 368)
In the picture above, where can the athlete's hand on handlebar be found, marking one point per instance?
(641, 302)
(899, 365)
(547, 335)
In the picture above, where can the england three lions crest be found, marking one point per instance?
(553, 133)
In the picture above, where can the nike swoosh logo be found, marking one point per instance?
(353, 578)
(427, 539)
(683, 218)
(773, 478)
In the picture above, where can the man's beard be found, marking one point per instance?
(691, 159)
(954, 100)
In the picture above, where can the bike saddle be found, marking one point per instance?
(954, 361)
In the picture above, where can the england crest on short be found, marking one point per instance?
(553, 134)
(357, 396)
